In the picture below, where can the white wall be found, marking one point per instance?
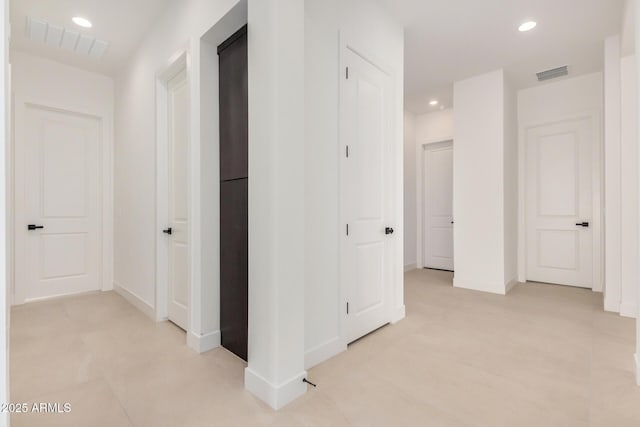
(429, 128)
(612, 163)
(554, 102)
(57, 85)
(410, 208)
(479, 183)
(434, 127)
(511, 192)
(179, 29)
(5, 103)
(629, 276)
(328, 24)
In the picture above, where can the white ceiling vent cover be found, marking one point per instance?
(63, 38)
(553, 73)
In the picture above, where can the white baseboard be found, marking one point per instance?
(510, 285)
(276, 396)
(612, 305)
(628, 309)
(398, 314)
(410, 267)
(476, 285)
(324, 352)
(135, 300)
(203, 343)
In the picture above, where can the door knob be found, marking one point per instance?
(388, 230)
(582, 224)
(32, 227)
(168, 231)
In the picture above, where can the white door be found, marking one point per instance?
(559, 203)
(178, 127)
(57, 203)
(366, 191)
(437, 166)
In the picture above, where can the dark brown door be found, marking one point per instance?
(234, 210)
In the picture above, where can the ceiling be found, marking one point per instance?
(122, 23)
(451, 40)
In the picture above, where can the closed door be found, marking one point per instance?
(178, 127)
(57, 204)
(559, 203)
(437, 162)
(234, 194)
(366, 196)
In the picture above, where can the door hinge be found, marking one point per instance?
(347, 308)
(347, 229)
(347, 73)
(347, 151)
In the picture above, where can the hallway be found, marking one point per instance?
(541, 356)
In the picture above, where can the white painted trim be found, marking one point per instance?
(324, 352)
(597, 222)
(135, 300)
(409, 267)
(420, 147)
(276, 396)
(510, 285)
(611, 303)
(628, 309)
(398, 313)
(178, 63)
(476, 285)
(203, 343)
(105, 188)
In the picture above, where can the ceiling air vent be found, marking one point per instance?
(553, 73)
(59, 37)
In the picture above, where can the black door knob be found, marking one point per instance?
(32, 227)
(582, 224)
(388, 230)
(168, 231)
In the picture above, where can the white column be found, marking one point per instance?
(276, 201)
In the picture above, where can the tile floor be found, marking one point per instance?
(542, 356)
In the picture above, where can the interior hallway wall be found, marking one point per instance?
(369, 28)
(136, 233)
(410, 208)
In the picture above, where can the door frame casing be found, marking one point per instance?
(423, 200)
(420, 149)
(178, 63)
(597, 164)
(105, 188)
(395, 312)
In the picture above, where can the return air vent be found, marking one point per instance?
(62, 38)
(553, 73)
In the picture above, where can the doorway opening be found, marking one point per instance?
(437, 206)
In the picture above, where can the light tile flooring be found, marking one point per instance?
(542, 356)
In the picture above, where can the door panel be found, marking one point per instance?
(178, 120)
(366, 195)
(234, 154)
(438, 206)
(234, 194)
(61, 194)
(234, 265)
(559, 196)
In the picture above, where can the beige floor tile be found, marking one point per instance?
(541, 356)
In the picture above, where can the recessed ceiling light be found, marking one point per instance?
(527, 26)
(434, 102)
(82, 22)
